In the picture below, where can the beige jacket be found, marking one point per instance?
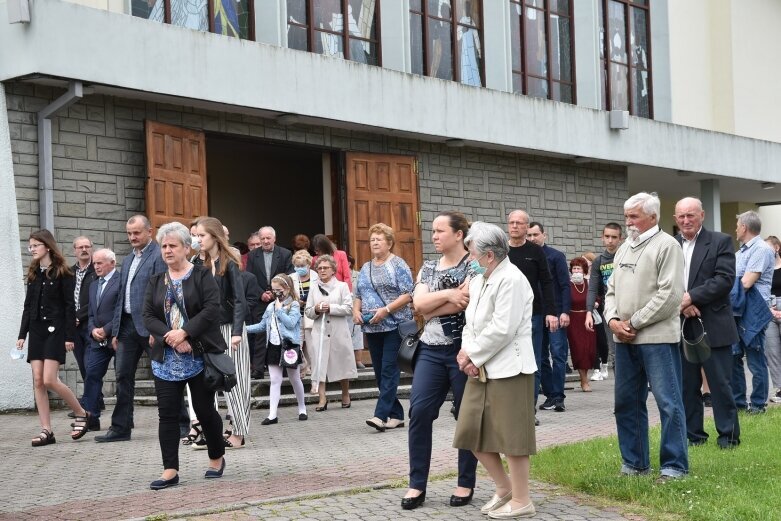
(498, 331)
(646, 287)
(332, 332)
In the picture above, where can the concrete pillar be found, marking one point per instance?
(394, 31)
(16, 388)
(497, 52)
(711, 203)
(587, 70)
(271, 22)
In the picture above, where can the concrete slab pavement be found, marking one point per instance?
(332, 453)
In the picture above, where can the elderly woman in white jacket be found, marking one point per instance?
(497, 411)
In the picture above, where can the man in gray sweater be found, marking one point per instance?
(642, 307)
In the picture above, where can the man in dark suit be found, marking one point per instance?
(709, 273)
(102, 301)
(84, 274)
(264, 263)
(131, 338)
(252, 296)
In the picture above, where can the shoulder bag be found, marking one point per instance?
(408, 349)
(291, 353)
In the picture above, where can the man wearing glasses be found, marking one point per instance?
(642, 307)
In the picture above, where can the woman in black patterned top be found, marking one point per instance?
(441, 296)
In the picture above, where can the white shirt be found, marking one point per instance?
(688, 249)
(650, 232)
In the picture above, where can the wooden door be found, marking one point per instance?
(176, 174)
(383, 188)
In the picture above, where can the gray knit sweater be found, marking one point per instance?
(647, 288)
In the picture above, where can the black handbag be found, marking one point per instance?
(290, 357)
(219, 371)
(408, 349)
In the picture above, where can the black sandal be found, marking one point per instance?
(46, 437)
(193, 438)
(81, 426)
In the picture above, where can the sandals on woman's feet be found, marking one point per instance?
(193, 437)
(46, 437)
(81, 426)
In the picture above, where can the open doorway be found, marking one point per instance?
(252, 184)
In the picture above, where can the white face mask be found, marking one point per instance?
(195, 242)
(577, 278)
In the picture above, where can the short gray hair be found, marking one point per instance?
(487, 237)
(80, 238)
(649, 203)
(269, 228)
(178, 230)
(105, 252)
(326, 258)
(143, 218)
(751, 221)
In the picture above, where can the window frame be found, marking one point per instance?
(605, 68)
(345, 35)
(524, 74)
(454, 25)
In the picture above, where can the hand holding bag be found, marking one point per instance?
(291, 353)
(696, 350)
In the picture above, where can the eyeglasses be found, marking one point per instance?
(33, 246)
(320, 268)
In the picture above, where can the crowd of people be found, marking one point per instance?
(500, 314)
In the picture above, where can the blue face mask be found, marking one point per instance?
(302, 272)
(474, 266)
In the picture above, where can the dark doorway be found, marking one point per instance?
(253, 184)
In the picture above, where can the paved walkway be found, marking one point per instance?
(330, 467)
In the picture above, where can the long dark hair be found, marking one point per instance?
(213, 227)
(58, 268)
(457, 222)
(323, 245)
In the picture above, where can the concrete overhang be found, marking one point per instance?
(118, 54)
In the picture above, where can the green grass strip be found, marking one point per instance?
(723, 485)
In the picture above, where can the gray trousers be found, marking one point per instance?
(773, 351)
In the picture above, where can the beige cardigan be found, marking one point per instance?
(498, 331)
(647, 288)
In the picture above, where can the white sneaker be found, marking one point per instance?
(596, 376)
(603, 368)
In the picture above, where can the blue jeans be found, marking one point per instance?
(131, 347)
(555, 349)
(538, 325)
(383, 348)
(757, 365)
(436, 372)
(98, 359)
(636, 367)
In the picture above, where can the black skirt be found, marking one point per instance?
(273, 354)
(46, 340)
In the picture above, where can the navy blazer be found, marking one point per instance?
(151, 264)
(557, 264)
(711, 276)
(102, 315)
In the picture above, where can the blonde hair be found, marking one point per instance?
(383, 229)
(302, 256)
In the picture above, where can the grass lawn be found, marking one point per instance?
(723, 485)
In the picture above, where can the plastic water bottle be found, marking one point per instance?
(17, 354)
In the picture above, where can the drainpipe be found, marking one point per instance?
(45, 178)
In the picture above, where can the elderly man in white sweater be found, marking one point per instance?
(642, 308)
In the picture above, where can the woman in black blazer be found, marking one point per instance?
(224, 262)
(49, 318)
(183, 305)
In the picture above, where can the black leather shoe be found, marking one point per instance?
(303, 417)
(160, 484)
(269, 421)
(112, 435)
(461, 501)
(411, 503)
(214, 473)
(698, 443)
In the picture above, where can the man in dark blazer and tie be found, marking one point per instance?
(102, 301)
(131, 338)
(709, 273)
(264, 263)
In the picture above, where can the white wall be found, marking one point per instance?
(771, 224)
(15, 377)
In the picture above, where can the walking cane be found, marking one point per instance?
(316, 384)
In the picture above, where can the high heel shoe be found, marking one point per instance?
(411, 503)
(346, 405)
(321, 408)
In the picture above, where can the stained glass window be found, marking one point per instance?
(341, 28)
(229, 17)
(445, 40)
(625, 56)
(542, 49)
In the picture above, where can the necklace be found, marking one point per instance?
(582, 285)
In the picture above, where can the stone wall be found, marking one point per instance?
(99, 172)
